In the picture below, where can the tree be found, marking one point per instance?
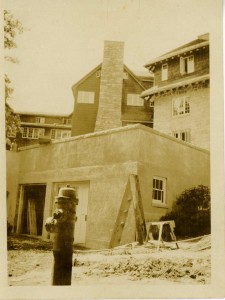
(191, 212)
(12, 27)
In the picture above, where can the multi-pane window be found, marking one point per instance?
(187, 64)
(183, 135)
(181, 106)
(164, 71)
(159, 190)
(32, 133)
(85, 97)
(134, 100)
(57, 134)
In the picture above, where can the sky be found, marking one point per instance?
(64, 40)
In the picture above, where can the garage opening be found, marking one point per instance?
(33, 209)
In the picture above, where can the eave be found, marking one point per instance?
(156, 89)
(39, 125)
(176, 53)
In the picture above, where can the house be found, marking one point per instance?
(181, 93)
(98, 165)
(109, 96)
(99, 157)
(35, 126)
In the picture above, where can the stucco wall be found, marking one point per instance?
(106, 159)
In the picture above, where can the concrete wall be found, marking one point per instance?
(198, 121)
(106, 159)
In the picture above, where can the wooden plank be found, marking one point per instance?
(121, 217)
(138, 209)
(32, 217)
(20, 210)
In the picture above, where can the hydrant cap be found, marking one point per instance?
(67, 193)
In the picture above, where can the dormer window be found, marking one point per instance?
(164, 71)
(187, 64)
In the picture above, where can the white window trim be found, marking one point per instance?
(34, 133)
(164, 73)
(178, 134)
(190, 64)
(40, 120)
(85, 97)
(156, 202)
(66, 121)
(58, 134)
(134, 100)
(185, 98)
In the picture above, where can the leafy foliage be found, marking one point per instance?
(12, 27)
(191, 212)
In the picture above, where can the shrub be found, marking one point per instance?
(191, 212)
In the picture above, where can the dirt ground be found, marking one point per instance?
(30, 262)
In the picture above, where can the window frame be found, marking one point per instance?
(159, 202)
(179, 133)
(164, 72)
(40, 120)
(85, 97)
(57, 134)
(187, 64)
(32, 133)
(134, 100)
(186, 106)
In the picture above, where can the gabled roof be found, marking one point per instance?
(87, 75)
(131, 73)
(201, 41)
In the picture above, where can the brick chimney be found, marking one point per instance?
(110, 97)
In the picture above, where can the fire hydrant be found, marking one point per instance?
(62, 224)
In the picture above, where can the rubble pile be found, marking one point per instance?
(159, 268)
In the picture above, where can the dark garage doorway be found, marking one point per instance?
(33, 209)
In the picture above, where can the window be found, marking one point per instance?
(32, 133)
(181, 106)
(66, 121)
(164, 71)
(187, 64)
(183, 135)
(57, 134)
(85, 97)
(40, 120)
(134, 100)
(159, 190)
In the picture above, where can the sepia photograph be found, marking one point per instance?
(112, 149)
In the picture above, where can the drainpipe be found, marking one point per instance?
(62, 224)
